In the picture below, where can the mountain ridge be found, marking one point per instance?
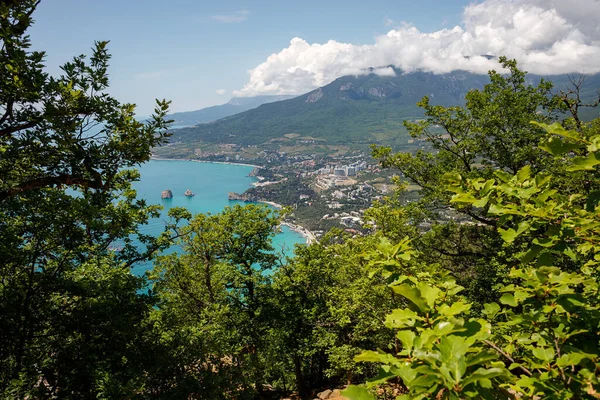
(351, 110)
(235, 105)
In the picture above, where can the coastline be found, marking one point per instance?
(203, 161)
(272, 204)
(310, 237)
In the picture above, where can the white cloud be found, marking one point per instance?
(545, 36)
(220, 91)
(238, 16)
(381, 71)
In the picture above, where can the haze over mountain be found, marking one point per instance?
(352, 110)
(234, 106)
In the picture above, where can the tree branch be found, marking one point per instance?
(39, 183)
(12, 129)
(509, 358)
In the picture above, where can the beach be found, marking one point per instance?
(204, 161)
(272, 204)
(310, 237)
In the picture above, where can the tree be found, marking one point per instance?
(324, 311)
(213, 302)
(491, 132)
(541, 340)
(70, 309)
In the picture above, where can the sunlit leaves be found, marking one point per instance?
(541, 338)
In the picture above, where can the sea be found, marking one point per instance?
(211, 182)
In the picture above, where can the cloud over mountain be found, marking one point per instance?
(545, 36)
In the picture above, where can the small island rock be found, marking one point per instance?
(166, 194)
(189, 193)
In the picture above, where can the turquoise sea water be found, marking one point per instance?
(210, 182)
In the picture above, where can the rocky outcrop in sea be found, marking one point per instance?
(189, 193)
(166, 194)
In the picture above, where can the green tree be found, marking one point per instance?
(541, 339)
(70, 309)
(491, 132)
(324, 311)
(213, 301)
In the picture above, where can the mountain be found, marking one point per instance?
(234, 106)
(351, 111)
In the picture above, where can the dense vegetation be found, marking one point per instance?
(497, 298)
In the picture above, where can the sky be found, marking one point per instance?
(198, 53)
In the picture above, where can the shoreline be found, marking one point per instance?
(310, 237)
(203, 161)
(272, 204)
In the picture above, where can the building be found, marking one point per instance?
(339, 171)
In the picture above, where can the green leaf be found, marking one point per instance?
(382, 376)
(375, 356)
(508, 235)
(557, 129)
(453, 350)
(491, 310)
(544, 354)
(401, 318)
(524, 173)
(508, 299)
(592, 200)
(466, 198)
(557, 146)
(357, 393)
(405, 372)
(503, 176)
(584, 163)
(443, 328)
(500, 210)
(429, 293)
(569, 359)
(482, 357)
(425, 380)
(407, 338)
(413, 295)
(455, 309)
(545, 241)
(483, 375)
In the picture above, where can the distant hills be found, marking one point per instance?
(351, 111)
(234, 106)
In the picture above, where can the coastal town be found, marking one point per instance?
(317, 192)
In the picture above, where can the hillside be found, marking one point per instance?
(234, 106)
(351, 112)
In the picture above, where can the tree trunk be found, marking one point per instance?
(300, 383)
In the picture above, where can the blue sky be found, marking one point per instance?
(197, 53)
(186, 50)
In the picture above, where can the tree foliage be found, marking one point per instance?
(70, 310)
(541, 339)
(485, 287)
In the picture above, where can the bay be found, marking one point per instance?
(211, 182)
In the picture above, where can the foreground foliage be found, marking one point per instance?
(72, 319)
(541, 339)
(493, 272)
